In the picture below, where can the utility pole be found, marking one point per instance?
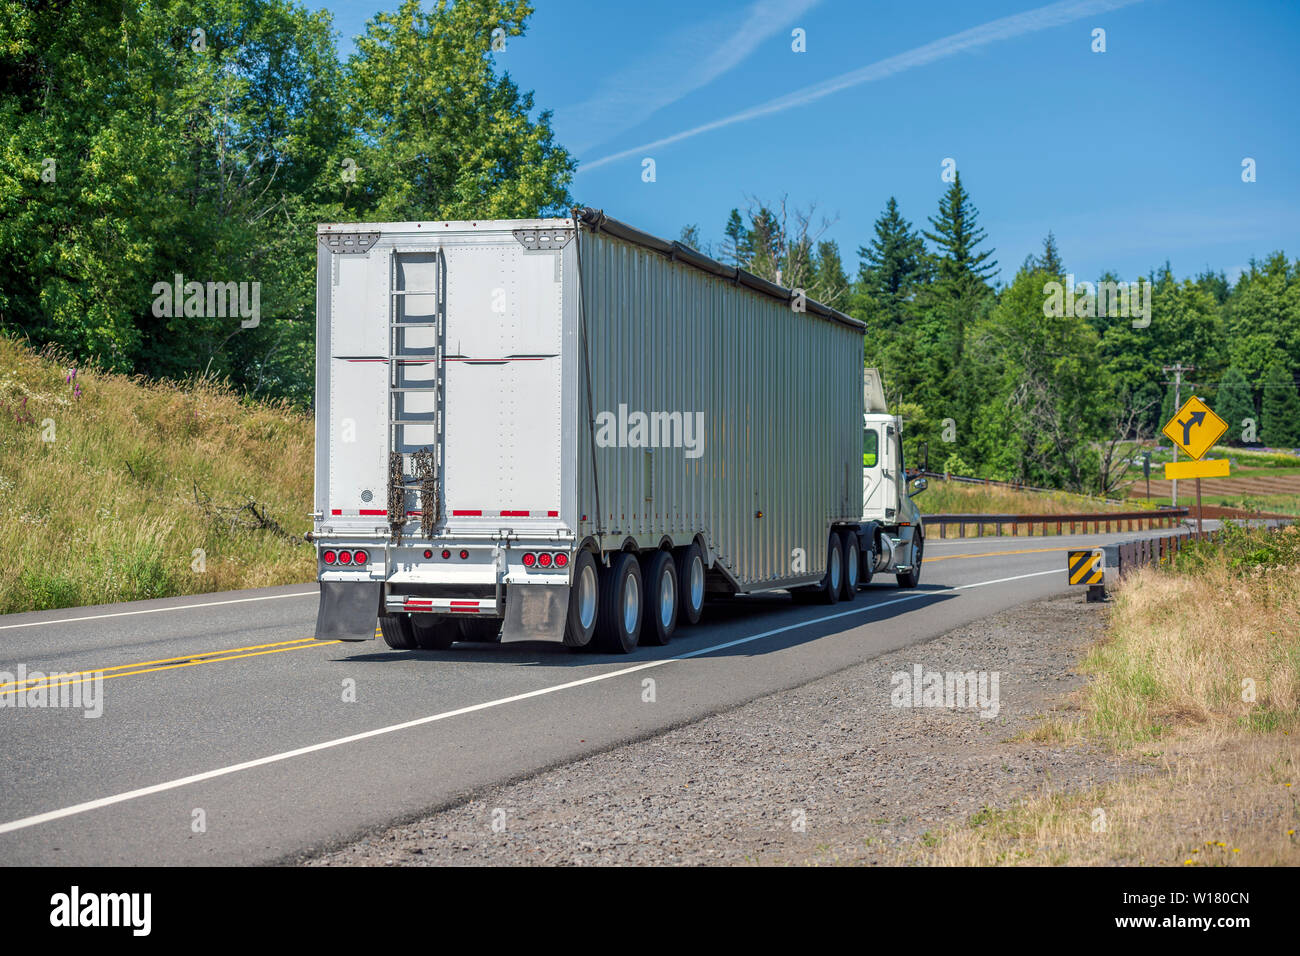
(1178, 371)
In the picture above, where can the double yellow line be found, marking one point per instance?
(164, 664)
(990, 554)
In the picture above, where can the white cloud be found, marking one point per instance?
(1031, 21)
(689, 59)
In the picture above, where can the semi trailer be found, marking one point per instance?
(567, 429)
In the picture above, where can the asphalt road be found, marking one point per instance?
(225, 736)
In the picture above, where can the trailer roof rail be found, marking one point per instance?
(597, 221)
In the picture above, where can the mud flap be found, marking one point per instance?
(348, 610)
(536, 612)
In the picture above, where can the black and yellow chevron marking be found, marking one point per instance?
(1085, 567)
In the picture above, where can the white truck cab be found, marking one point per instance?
(891, 536)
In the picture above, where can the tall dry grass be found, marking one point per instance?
(106, 510)
(1212, 641)
(1197, 681)
(951, 497)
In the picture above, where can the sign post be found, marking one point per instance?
(1195, 428)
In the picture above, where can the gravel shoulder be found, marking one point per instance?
(830, 772)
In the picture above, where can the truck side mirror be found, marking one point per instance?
(918, 486)
(925, 456)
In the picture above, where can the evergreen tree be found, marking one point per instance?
(736, 246)
(831, 286)
(957, 235)
(1049, 261)
(1280, 418)
(895, 261)
(1234, 403)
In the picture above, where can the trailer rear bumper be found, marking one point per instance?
(397, 603)
(348, 610)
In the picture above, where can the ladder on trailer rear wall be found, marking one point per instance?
(416, 346)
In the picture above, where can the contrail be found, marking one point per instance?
(685, 61)
(1031, 21)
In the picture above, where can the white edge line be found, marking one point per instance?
(353, 738)
(156, 610)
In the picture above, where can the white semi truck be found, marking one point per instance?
(570, 430)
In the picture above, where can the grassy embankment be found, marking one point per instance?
(1198, 679)
(98, 481)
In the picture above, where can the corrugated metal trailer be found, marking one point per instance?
(571, 427)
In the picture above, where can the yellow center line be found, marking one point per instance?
(994, 554)
(187, 663)
(165, 660)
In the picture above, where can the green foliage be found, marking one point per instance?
(1234, 403)
(1062, 402)
(1243, 549)
(1280, 411)
(213, 154)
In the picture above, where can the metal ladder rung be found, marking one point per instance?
(397, 438)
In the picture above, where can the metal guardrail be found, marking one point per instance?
(1083, 522)
(1134, 554)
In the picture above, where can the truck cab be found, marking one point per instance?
(892, 534)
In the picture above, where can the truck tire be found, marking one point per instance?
(852, 565)
(397, 631)
(828, 591)
(584, 602)
(483, 630)
(659, 573)
(433, 633)
(690, 581)
(915, 552)
(622, 597)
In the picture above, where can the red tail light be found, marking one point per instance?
(530, 559)
(328, 557)
(544, 559)
(428, 554)
(446, 555)
(464, 555)
(561, 560)
(361, 557)
(345, 557)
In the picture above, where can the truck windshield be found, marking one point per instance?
(870, 447)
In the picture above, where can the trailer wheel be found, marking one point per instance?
(622, 596)
(397, 631)
(584, 602)
(659, 573)
(915, 552)
(479, 630)
(690, 580)
(828, 591)
(433, 633)
(852, 564)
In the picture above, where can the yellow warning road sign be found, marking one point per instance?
(1195, 428)
(1086, 567)
(1205, 468)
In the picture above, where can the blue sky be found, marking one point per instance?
(1131, 156)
